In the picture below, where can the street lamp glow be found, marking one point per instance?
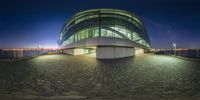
(174, 44)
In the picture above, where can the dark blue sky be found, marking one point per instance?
(27, 23)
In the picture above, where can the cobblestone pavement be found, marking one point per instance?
(144, 77)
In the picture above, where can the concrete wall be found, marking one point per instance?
(106, 52)
(114, 52)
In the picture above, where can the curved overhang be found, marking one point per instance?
(100, 12)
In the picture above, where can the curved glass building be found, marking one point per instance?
(104, 33)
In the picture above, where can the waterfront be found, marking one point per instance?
(189, 53)
(22, 53)
(62, 76)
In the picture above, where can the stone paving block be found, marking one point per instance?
(77, 77)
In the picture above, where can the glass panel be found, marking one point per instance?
(75, 37)
(96, 32)
(90, 33)
(135, 36)
(83, 35)
(116, 35)
(103, 32)
(79, 36)
(109, 33)
(71, 39)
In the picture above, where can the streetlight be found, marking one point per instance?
(174, 45)
(38, 49)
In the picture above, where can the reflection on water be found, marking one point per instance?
(20, 53)
(191, 53)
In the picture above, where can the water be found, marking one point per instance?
(191, 53)
(20, 53)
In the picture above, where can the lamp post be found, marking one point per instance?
(38, 49)
(174, 45)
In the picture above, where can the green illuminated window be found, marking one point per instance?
(96, 32)
(90, 33)
(103, 33)
(109, 33)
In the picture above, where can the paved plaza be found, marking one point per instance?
(61, 77)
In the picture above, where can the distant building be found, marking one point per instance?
(104, 33)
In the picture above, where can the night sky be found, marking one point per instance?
(27, 23)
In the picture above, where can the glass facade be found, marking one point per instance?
(119, 14)
(103, 23)
(112, 31)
